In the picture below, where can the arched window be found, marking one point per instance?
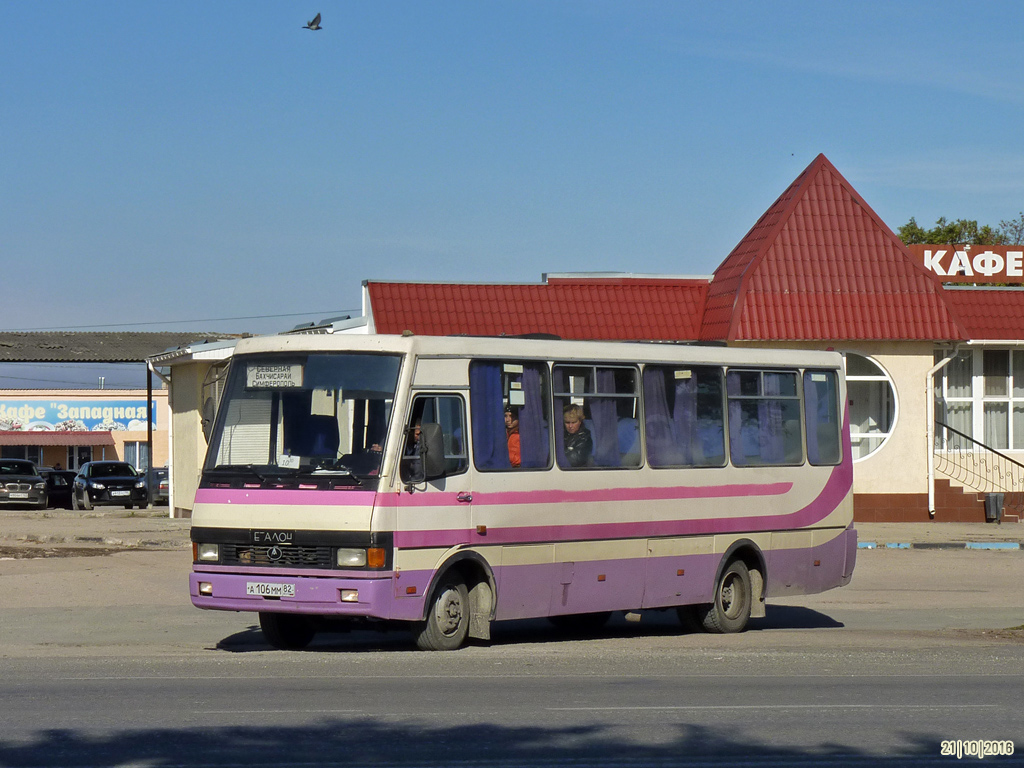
(873, 405)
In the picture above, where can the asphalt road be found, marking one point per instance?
(105, 663)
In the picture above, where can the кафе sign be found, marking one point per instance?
(972, 263)
(74, 415)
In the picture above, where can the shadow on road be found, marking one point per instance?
(396, 637)
(368, 742)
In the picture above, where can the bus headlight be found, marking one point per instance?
(351, 558)
(208, 553)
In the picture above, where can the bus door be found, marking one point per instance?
(438, 495)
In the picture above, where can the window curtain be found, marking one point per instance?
(533, 439)
(490, 446)
(560, 383)
(683, 417)
(736, 450)
(606, 423)
(377, 422)
(813, 418)
(769, 418)
(661, 445)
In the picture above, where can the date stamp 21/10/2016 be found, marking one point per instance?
(979, 748)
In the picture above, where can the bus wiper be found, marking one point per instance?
(253, 471)
(235, 468)
(333, 472)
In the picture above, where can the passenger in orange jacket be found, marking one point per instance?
(512, 435)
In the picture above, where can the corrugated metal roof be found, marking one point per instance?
(55, 438)
(620, 309)
(821, 265)
(989, 313)
(93, 347)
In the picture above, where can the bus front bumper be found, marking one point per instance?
(319, 595)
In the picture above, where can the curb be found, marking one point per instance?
(106, 541)
(989, 545)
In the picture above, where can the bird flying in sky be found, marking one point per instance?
(314, 24)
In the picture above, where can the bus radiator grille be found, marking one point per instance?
(292, 557)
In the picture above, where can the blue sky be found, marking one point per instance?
(187, 161)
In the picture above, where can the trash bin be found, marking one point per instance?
(993, 507)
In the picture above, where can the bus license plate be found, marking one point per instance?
(264, 589)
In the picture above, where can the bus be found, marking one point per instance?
(451, 482)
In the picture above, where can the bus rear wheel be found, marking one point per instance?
(287, 632)
(447, 621)
(731, 609)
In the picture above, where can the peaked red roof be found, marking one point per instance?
(821, 265)
(619, 309)
(989, 314)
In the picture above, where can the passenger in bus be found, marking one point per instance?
(512, 436)
(579, 445)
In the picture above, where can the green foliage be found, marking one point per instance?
(1013, 230)
(956, 232)
(912, 233)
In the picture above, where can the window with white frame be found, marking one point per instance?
(981, 395)
(873, 406)
(954, 400)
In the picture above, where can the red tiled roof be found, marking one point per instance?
(32, 437)
(989, 313)
(620, 309)
(820, 265)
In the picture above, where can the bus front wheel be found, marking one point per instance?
(447, 621)
(731, 608)
(287, 632)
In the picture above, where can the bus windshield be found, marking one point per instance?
(318, 419)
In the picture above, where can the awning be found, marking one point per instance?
(56, 438)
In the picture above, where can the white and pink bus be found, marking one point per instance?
(452, 482)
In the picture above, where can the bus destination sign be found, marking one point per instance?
(273, 375)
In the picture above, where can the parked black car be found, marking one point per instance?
(58, 486)
(107, 483)
(21, 485)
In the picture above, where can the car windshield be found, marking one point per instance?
(112, 470)
(8, 467)
(323, 414)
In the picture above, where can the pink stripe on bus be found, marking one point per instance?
(257, 496)
(832, 494)
(559, 496)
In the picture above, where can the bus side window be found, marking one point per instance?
(821, 412)
(600, 408)
(764, 418)
(510, 404)
(684, 419)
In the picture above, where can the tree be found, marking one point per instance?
(911, 233)
(1012, 230)
(952, 232)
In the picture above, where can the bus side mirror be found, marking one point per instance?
(428, 462)
(432, 451)
(209, 412)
